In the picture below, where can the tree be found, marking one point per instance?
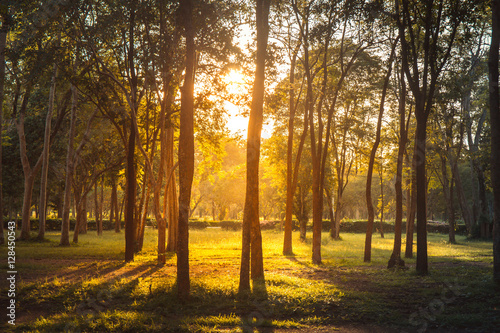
(69, 170)
(251, 236)
(395, 259)
(427, 31)
(369, 203)
(494, 94)
(45, 157)
(186, 152)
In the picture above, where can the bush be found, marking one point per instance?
(350, 226)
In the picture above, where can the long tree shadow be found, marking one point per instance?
(256, 312)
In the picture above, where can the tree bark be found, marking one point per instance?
(464, 207)
(130, 222)
(186, 153)
(290, 189)
(45, 158)
(131, 182)
(113, 214)
(395, 259)
(369, 203)
(494, 96)
(411, 208)
(251, 235)
(69, 170)
(421, 179)
(171, 204)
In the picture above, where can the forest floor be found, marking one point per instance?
(88, 288)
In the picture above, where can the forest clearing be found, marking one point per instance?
(88, 288)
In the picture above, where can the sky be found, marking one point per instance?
(238, 123)
(238, 83)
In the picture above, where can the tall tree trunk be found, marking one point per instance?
(287, 242)
(251, 235)
(369, 177)
(45, 158)
(29, 180)
(113, 214)
(411, 208)
(130, 222)
(186, 153)
(69, 170)
(331, 207)
(448, 195)
(395, 259)
(421, 180)
(382, 203)
(28, 172)
(101, 208)
(161, 218)
(97, 210)
(130, 173)
(494, 96)
(464, 206)
(451, 221)
(83, 210)
(171, 204)
(79, 215)
(143, 220)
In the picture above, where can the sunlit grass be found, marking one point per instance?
(88, 288)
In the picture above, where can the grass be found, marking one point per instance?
(88, 288)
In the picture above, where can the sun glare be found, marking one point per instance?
(235, 81)
(238, 83)
(235, 85)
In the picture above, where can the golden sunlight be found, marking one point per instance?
(238, 84)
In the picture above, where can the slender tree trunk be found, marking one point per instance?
(251, 235)
(45, 158)
(292, 169)
(448, 195)
(494, 96)
(130, 222)
(79, 215)
(69, 170)
(331, 213)
(395, 259)
(161, 218)
(97, 210)
(26, 215)
(130, 172)
(83, 226)
(186, 153)
(464, 206)
(101, 207)
(287, 242)
(141, 213)
(171, 207)
(382, 203)
(411, 209)
(451, 221)
(369, 202)
(113, 215)
(142, 225)
(421, 179)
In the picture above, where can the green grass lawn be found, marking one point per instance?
(88, 288)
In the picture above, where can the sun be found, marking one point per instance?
(238, 84)
(235, 82)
